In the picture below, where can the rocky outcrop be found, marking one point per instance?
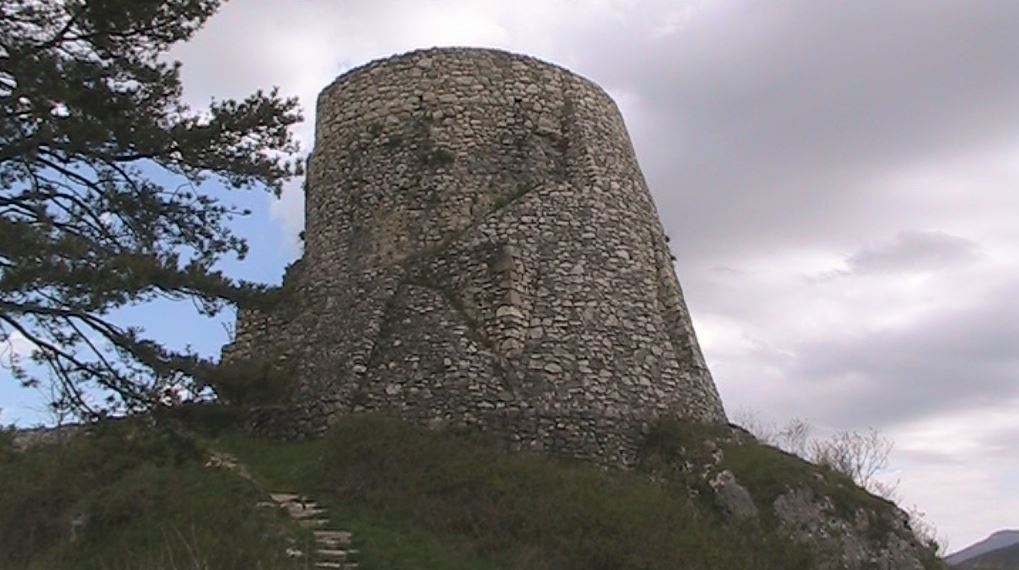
(867, 539)
(733, 498)
(755, 485)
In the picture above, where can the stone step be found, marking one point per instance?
(299, 513)
(333, 553)
(332, 543)
(329, 544)
(337, 535)
(330, 551)
(313, 523)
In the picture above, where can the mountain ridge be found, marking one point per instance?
(1005, 558)
(997, 540)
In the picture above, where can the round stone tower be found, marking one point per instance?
(481, 249)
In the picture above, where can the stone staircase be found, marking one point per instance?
(332, 548)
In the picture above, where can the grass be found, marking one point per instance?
(418, 499)
(125, 497)
(414, 499)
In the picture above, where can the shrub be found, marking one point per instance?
(252, 382)
(208, 418)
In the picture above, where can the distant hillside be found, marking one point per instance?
(1000, 539)
(1006, 558)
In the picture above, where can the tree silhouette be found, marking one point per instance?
(110, 190)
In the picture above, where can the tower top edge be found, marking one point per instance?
(454, 53)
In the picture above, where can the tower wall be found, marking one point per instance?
(481, 249)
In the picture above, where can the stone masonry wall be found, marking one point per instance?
(482, 250)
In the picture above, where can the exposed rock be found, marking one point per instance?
(843, 526)
(850, 544)
(734, 498)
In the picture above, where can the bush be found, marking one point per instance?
(6, 443)
(208, 418)
(252, 382)
(860, 456)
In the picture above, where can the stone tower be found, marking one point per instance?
(481, 250)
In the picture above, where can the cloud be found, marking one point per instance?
(940, 363)
(15, 346)
(926, 335)
(915, 251)
(779, 122)
(956, 467)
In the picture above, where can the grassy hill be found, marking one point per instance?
(125, 496)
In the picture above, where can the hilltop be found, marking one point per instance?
(124, 495)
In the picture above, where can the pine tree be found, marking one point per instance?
(111, 188)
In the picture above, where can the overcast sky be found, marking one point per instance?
(840, 181)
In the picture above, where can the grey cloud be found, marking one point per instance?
(928, 457)
(981, 446)
(950, 361)
(915, 251)
(1004, 441)
(773, 119)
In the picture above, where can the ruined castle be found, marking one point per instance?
(481, 250)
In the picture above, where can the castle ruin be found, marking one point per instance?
(481, 250)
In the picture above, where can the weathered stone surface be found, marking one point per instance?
(842, 544)
(734, 498)
(479, 234)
